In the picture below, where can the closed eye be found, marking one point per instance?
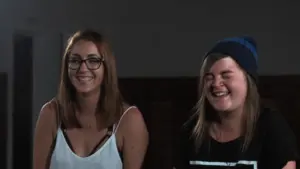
(208, 77)
(226, 76)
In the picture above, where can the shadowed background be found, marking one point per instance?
(158, 45)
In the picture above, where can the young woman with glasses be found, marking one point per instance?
(88, 125)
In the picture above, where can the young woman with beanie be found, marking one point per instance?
(230, 128)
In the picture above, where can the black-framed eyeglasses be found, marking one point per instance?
(91, 63)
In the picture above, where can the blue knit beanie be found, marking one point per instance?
(243, 50)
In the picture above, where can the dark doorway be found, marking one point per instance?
(3, 119)
(22, 100)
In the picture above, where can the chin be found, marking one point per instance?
(222, 108)
(85, 90)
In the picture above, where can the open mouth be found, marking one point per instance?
(84, 78)
(220, 94)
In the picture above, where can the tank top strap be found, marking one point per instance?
(125, 112)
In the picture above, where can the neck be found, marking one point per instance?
(230, 121)
(87, 103)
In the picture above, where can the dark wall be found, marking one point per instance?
(22, 100)
(167, 102)
(3, 119)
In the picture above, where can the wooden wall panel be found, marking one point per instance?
(167, 102)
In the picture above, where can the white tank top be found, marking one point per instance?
(107, 157)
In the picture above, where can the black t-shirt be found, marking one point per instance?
(272, 146)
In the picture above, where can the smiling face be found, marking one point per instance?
(225, 85)
(85, 67)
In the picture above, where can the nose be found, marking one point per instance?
(217, 81)
(83, 67)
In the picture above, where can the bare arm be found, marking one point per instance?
(290, 165)
(45, 131)
(135, 139)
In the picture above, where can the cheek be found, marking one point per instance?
(99, 75)
(71, 73)
(206, 88)
(239, 89)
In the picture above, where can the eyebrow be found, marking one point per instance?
(222, 72)
(89, 55)
(226, 72)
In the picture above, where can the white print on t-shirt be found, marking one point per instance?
(252, 164)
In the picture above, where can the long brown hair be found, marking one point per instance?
(110, 104)
(205, 114)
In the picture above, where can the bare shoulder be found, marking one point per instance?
(45, 132)
(48, 111)
(47, 119)
(133, 114)
(132, 121)
(135, 138)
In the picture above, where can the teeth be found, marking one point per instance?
(84, 78)
(219, 94)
